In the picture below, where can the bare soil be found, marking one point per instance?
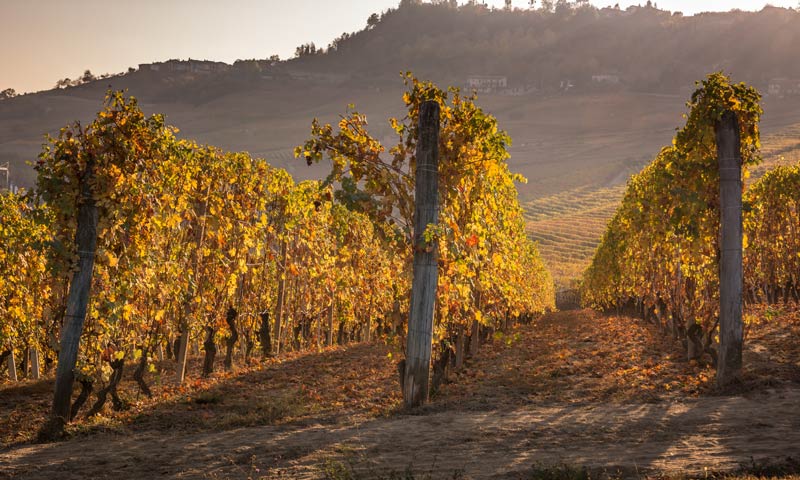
(576, 388)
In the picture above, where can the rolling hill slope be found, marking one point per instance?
(577, 147)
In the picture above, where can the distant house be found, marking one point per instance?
(319, 77)
(606, 79)
(519, 91)
(784, 87)
(188, 66)
(487, 83)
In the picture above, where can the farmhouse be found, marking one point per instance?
(606, 79)
(188, 66)
(487, 83)
(784, 87)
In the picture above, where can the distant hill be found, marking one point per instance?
(648, 49)
(589, 96)
(586, 78)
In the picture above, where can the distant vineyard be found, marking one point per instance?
(569, 225)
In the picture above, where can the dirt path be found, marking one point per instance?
(687, 436)
(567, 391)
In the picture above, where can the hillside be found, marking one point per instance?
(576, 145)
(651, 50)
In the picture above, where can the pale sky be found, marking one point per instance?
(42, 41)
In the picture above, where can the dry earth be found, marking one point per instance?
(578, 389)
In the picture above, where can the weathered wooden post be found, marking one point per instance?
(264, 335)
(331, 313)
(729, 364)
(34, 361)
(12, 366)
(77, 301)
(183, 352)
(426, 275)
(280, 303)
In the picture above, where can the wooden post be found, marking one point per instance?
(426, 275)
(264, 335)
(473, 338)
(34, 361)
(77, 301)
(460, 345)
(12, 367)
(368, 336)
(279, 304)
(331, 313)
(729, 363)
(183, 353)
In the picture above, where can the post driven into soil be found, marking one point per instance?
(426, 275)
(77, 303)
(729, 363)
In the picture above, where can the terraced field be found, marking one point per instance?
(780, 148)
(569, 225)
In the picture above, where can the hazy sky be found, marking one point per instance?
(42, 41)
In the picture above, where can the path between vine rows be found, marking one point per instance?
(561, 392)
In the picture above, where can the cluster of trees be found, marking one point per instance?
(566, 40)
(660, 252)
(307, 49)
(136, 245)
(87, 77)
(8, 93)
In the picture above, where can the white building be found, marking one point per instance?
(784, 87)
(180, 66)
(606, 79)
(487, 83)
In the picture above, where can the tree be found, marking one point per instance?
(274, 58)
(8, 93)
(306, 49)
(87, 76)
(373, 20)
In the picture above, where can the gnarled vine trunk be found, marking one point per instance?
(230, 317)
